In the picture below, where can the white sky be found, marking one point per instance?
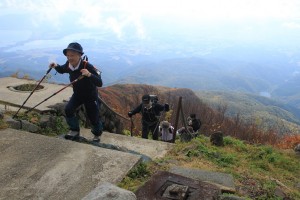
(200, 10)
(116, 15)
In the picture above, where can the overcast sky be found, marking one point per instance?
(40, 21)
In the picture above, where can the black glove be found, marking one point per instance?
(130, 114)
(167, 107)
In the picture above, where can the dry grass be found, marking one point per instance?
(257, 169)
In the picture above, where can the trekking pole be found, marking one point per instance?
(48, 71)
(131, 134)
(80, 77)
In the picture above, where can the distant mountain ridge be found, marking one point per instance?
(229, 66)
(263, 110)
(200, 74)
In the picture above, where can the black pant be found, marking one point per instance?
(150, 126)
(92, 110)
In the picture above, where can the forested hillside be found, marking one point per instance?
(265, 112)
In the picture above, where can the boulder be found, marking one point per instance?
(108, 191)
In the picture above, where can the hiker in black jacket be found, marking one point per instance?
(194, 122)
(151, 111)
(84, 90)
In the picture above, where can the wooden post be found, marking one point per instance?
(177, 118)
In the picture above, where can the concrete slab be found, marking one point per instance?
(224, 181)
(34, 166)
(151, 148)
(17, 98)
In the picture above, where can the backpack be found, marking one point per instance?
(196, 124)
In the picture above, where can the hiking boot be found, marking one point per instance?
(96, 139)
(72, 135)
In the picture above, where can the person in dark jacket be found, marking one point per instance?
(194, 122)
(84, 90)
(150, 111)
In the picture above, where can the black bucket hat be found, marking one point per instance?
(75, 47)
(146, 98)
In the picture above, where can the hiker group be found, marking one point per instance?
(151, 112)
(85, 78)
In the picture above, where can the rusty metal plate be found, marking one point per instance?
(162, 186)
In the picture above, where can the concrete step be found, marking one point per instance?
(150, 148)
(34, 166)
